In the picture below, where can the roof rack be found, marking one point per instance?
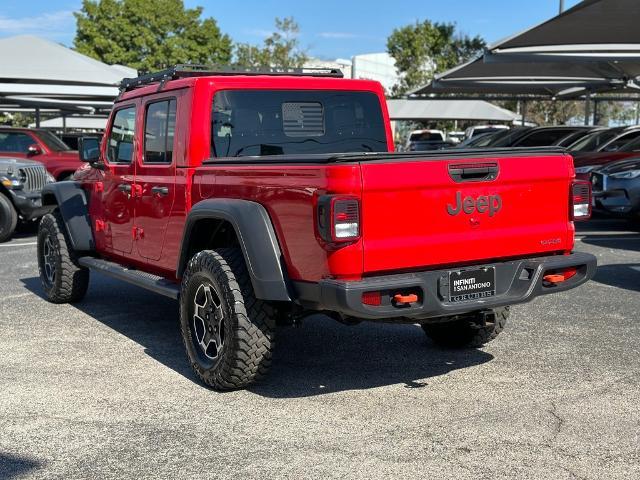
(189, 70)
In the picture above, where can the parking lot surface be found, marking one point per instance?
(102, 389)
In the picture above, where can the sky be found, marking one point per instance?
(330, 29)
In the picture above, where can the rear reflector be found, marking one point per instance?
(580, 200)
(372, 298)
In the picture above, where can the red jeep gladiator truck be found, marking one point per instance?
(262, 197)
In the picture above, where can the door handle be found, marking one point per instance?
(160, 191)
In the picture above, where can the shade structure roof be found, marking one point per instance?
(478, 110)
(593, 47)
(74, 122)
(38, 73)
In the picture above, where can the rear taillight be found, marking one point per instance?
(338, 218)
(580, 204)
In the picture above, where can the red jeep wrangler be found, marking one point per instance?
(255, 197)
(40, 145)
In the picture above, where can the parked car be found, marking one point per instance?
(478, 141)
(455, 137)
(616, 188)
(539, 136)
(40, 145)
(423, 140)
(586, 162)
(594, 140)
(481, 129)
(253, 199)
(21, 183)
(623, 138)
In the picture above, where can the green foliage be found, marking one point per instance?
(149, 35)
(425, 48)
(281, 49)
(17, 119)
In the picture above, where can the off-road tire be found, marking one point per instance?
(8, 218)
(248, 324)
(466, 332)
(70, 280)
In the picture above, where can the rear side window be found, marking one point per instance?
(618, 143)
(543, 138)
(15, 142)
(283, 122)
(160, 124)
(120, 146)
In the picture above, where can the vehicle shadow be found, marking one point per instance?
(321, 357)
(14, 466)
(620, 275)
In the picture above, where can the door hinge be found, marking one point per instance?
(136, 190)
(101, 226)
(137, 233)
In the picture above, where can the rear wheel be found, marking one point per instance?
(8, 218)
(63, 279)
(228, 333)
(469, 331)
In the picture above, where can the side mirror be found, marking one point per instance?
(89, 149)
(33, 150)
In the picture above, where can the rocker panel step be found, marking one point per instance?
(142, 279)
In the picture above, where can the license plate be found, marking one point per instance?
(474, 284)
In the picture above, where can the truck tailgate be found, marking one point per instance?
(430, 212)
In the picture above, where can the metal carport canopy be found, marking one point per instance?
(41, 75)
(592, 47)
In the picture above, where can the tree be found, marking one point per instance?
(425, 48)
(281, 49)
(149, 35)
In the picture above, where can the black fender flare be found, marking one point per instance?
(257, 239)
(71, 200)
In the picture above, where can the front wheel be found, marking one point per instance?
(63, 279)
(471, 331)
(228, 332)
(8, 218)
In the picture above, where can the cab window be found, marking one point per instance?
(120, 146)
(160, 122)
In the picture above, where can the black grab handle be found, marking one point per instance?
(477, 172)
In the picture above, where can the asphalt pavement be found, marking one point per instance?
(102, 389)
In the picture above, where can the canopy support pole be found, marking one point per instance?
(37, 117)
(637, 113)
(524, 112)
(596, 115)
(64, 123)
(587, 108)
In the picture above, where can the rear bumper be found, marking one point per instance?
(517, 281)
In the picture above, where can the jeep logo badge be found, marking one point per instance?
(469, 205)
